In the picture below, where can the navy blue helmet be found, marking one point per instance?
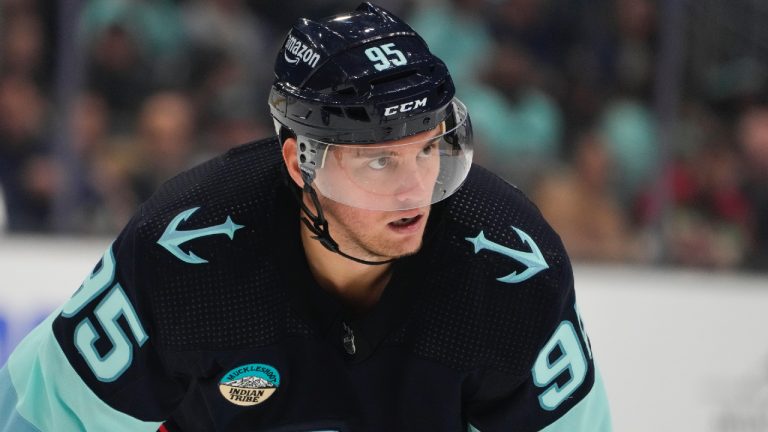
(360, 77)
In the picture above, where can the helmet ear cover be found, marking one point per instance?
(283, 133)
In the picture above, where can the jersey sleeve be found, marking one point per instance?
(563, 391)
(93, 364)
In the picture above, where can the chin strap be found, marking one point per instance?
(318, 224)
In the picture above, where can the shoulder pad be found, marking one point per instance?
(498, 278)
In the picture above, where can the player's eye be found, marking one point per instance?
(428, 149)
(379, 163)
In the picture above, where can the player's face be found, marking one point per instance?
(399, 175)
(403, 174)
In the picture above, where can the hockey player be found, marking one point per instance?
(355, 273)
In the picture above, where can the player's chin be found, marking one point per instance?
(403, 248)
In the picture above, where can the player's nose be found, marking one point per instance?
(413, 189)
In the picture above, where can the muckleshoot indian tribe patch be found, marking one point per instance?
(249, 384)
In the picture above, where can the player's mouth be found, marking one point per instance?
(406, 225)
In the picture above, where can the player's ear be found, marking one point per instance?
(291, 161)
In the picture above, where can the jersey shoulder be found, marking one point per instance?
(207, 236)
(499, 279)
(227, 185)
(205, 216)
(500, 227)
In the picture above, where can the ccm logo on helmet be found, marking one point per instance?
(408, 106)
(296, 51)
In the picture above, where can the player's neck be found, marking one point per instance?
(357, 285)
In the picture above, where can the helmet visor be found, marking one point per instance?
(408, 173)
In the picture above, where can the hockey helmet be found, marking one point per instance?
(373, 111)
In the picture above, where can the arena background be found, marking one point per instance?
(639, 128)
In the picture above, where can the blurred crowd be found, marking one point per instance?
(99, 109)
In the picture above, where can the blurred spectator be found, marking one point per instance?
(133, 47)
(735, 85)
(105, 200)
(229, 27)
(222, 99)
(154, 25)
(629, 129)
(90, 124)
(41, 178)
(233, 120)
(578, 202)
(712, 229)
(753, 140)
(119, 71)
(613, 57)
(165, 141)
(457, 33)
(707, 222)
(635, 46)
(228, 45)
(21, 46)
(26, 173)
(519, 124)
(543, 30)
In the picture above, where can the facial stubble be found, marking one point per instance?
(356, 237)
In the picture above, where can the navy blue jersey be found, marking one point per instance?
(203, 316)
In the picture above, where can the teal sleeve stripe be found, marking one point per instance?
(10, 420)
(589, 415)
(52, 397)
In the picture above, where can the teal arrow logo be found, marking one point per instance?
(533, 260)
(173, 238)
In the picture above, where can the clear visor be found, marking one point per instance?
(412, 172)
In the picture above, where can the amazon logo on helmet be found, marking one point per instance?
(294, 51)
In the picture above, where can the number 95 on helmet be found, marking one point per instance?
(373, 112)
